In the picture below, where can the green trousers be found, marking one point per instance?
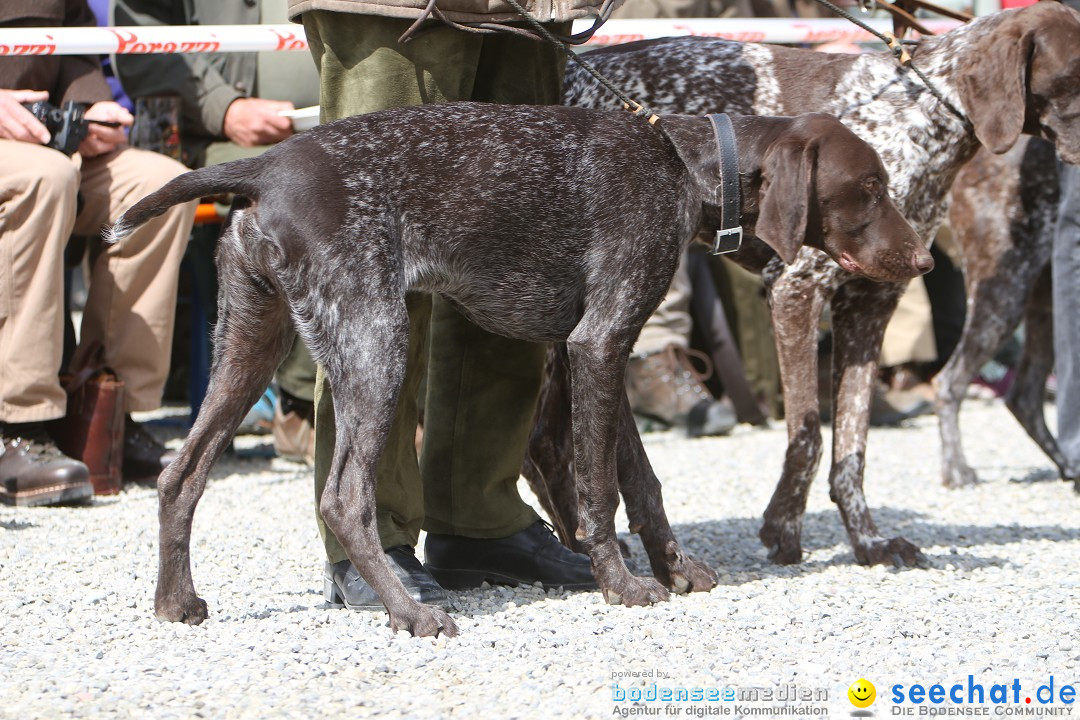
(481, 388)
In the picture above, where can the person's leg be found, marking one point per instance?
(1066, 270)
(37, 188)
(294, 412)
(133, 284)
(362, 69)
(37, 210)
(481, 399)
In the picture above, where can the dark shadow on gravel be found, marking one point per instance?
(743, 559)
(1038, 476)
(16, 525)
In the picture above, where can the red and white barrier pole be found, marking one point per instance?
(247, 38)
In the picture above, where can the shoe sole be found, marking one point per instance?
(67, 493)
(473, 579)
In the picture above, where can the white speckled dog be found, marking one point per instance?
(544, 224)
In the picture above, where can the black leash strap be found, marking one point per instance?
(729, 236)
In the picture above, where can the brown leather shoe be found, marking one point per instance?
(294, 431)
(665, 387)
(144, 456)
(34, 472)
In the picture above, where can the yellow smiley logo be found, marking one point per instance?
(862, 693)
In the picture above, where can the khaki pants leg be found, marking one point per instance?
(909, 336)
(132, 300)
(38, 186)
(670, 323)
(297, 373)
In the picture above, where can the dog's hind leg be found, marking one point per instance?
(252, 336)
(549, 458)
(995, 288)
(796, 303)
(1027, 396)
(365, 361)
(597, 364)
(645, 510)
(860, 310)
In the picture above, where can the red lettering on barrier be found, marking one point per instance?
(29, 48)
(128, 43)
(614, 39)
(290, 42)
(198, 47)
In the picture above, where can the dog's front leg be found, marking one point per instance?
(860, 311)
(366, 388)
(596, 375)
(796, 300)
(645, 510)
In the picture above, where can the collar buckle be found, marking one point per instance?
(727, 241)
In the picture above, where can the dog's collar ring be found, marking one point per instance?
(729, 237)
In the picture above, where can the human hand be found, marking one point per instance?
(101, 139)
(255, 121)
(18, 123)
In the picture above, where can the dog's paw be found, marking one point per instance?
(681, 573)
(783, 541)
(423, 621)
(959, 476)
(897, 552)
(635, 592)
(191, 610)
(691, 575)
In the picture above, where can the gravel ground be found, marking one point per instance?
(999, 600)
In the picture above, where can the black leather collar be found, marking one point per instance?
(729, 236)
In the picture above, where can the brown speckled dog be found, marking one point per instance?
(1003, 215)
(1014, 72)
(544, 224)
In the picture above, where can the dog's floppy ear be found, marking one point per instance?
(993, 91)
(784, 202)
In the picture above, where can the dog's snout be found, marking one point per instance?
(922, 261)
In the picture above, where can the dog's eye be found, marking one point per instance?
(874, 187)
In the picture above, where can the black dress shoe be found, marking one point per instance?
(343, 586)
(528, 556)
(144, 456)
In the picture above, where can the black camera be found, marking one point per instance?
(65, 124)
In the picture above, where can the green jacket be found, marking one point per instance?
(208, 82)
(456, 10)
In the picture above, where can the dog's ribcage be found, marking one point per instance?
(921, 144)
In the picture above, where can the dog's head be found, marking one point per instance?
(1027, 79)
(824, 186)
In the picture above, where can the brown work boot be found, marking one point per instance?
(294, 429)
(144, 456)
(665, 387)
(34, 472)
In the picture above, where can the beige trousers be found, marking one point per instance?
(909, 336)
(671, 323)
(132, 294)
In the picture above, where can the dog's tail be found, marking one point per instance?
(240, 177)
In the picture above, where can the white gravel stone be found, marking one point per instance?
(1000, 599)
